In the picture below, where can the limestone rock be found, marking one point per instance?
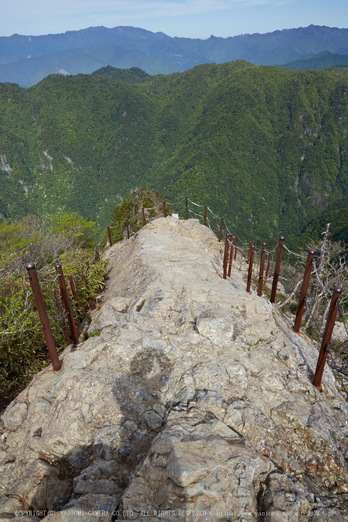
(192, 401)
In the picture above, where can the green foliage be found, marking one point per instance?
(265, 147)
(65, 239)
(132, 75)
(131, 209)
(322, 60)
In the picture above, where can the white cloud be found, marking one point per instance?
(140, 8)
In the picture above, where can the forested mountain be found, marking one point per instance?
(323, 60)
(27, 59)
(265, 147)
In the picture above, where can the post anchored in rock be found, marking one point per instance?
(235, 241)
(249, 250)
(262, 269)
(73, 290)
(186, 206)
(205, 215)
(40, 305)
(225, 261)
(277, 268)
(304, 290)
(230, 256)
(330, 323)
(268, 265)
(250, 270)
(144, 218)
(221, 227)
(66, 303)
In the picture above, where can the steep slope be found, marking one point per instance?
(193, 400)
(264, 147)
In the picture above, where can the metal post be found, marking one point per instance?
(304, 290)
(109, 234)
(277, 268)
(330, 323)
(127, 228)
(66, 303)
(96, 254)
(222, 224)
(231, 257)
(268, 265)
(205, 215)
(186, 204)
(164, 209)
(40, 305)
(90, 300)
(225, 257)
(249, 251)
(235, 245)
(144, 218)
(73, 290)
(262, 269)
(250, 270)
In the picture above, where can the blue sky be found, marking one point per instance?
(190, 18)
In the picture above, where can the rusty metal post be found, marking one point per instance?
(66, 303)
(262, 269)
(249, 251)
(90, 300)
(164, 209)
(277, 268)
(186, 204)
(144, 218)
(250, 270)
(96, 254)
(304, 290)
(230, 257)
(235, 245)
(268, 265)
(40, 305)
(205, 215)
(330, 323)
(73, 290)
(127, 228)
(68, 341)
(221, 226)
(109, 234)
(225, 257)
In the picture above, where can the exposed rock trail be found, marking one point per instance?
(193, 401)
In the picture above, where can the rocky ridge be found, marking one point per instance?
(191, 400)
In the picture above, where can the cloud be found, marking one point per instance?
(156, 8)
(173, 7)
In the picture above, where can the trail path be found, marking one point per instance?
(192, 401)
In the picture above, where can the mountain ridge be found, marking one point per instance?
(127, 47)
(263, 146)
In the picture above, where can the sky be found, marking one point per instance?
(187, 18)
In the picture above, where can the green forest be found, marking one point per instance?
(264, 147)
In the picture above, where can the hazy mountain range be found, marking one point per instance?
(27, 59)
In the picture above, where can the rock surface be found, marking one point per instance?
(193, 401)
